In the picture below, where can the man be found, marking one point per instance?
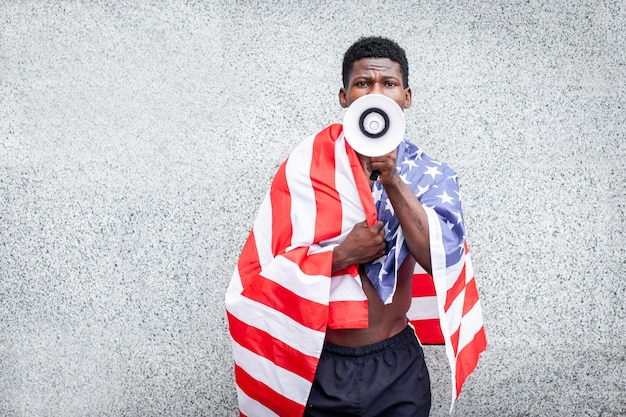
(318, 304)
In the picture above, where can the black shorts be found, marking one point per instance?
(386, 379)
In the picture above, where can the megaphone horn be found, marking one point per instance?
(374, 125)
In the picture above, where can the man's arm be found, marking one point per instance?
(406, 206)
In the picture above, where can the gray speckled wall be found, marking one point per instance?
(138, 138)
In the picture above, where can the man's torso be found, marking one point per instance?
(385, 321)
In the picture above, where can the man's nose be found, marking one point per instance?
(377, 88)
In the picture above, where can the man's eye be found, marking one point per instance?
(361, 84)
(390, 84)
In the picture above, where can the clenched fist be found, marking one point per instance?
(363, 244)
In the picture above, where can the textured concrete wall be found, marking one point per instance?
(138, 138)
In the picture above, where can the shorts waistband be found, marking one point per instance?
(367, 350)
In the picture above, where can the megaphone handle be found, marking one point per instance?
(374, 175)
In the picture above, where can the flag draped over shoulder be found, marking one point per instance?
(445, 307)
(283, 293)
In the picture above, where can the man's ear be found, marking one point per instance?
(408, 97)
(343, 99)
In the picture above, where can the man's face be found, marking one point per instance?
(375, 76)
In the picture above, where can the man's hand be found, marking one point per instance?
(363, 244)
(385, 165)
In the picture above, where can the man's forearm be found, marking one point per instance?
(413, 219)
(341, 259)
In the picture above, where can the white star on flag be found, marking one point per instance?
(383, 271)
(379, 260)
(388, 232)
(377, 193)
(432, 171)
(389, 207)
(445, 198)
(410, 162)
(421, 190)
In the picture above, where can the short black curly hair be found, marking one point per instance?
(375, 47)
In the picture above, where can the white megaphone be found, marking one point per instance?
(374, 125)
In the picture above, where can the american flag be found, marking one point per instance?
(283, 295)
